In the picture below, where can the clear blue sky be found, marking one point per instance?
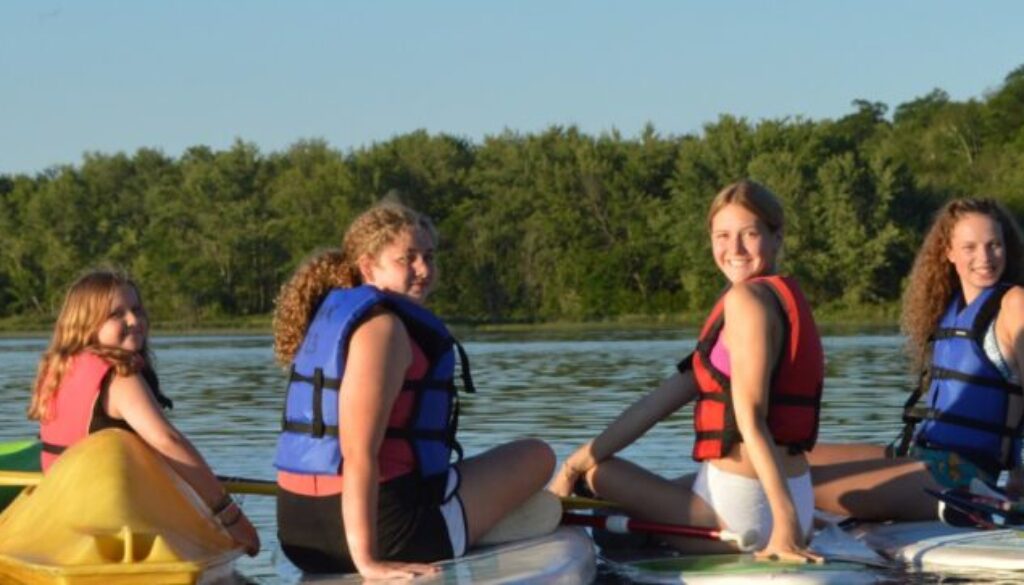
(108, 76)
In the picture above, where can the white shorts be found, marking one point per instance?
(741, 504)
(453, 514)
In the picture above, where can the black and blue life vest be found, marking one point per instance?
(967, 406)
(309, 442)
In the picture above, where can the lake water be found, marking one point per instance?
(560, 387)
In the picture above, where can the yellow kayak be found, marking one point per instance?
(109, 511)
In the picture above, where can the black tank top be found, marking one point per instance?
(101, 420)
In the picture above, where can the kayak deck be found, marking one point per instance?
(111, 510)
(17, 456)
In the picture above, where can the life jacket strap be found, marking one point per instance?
(329, 383)
(952, 333)
(722, 397)
(946, 374)
(912, 414)
(316, 428)
(332, 431)
(52, 448)
(427, 384)
(727, 436)
(962, 421)
(786, 399)
(424, 434)
(309, 429)
(791, 400)
(467, 377)
(685, 364)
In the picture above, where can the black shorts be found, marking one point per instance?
(411, 525)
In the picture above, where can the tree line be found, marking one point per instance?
(555, 225)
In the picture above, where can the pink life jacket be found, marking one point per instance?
(72, 407)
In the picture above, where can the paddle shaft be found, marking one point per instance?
(235, 485)
(978, 509)
(244, 485)
(625, 524)
(584, 503)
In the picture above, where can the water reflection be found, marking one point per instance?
(561, 387)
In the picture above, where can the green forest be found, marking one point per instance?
(535, 227)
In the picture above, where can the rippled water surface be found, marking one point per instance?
(559, 387)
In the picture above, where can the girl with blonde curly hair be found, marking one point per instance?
(364, 457)
(963, 314)
(97, 374)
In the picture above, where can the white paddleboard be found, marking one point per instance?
(742, 569)
(831, 542)
(564, 557)
(933, 545)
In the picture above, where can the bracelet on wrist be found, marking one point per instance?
(229, 516)
(228, 523)
(222, 504)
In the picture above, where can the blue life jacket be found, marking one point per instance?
(309, 442)
(969, 408)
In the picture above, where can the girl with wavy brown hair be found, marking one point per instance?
(963, 314)
(364, 457)
(97, 373)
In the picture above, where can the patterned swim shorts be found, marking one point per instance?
(950, 469)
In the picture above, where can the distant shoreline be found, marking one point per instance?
(832, 320)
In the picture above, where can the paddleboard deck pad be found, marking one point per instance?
(935, 546)
(564, 557)
(664, 565)
(741, 568)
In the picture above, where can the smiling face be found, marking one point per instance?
(977, 253)
(405, 266)
(126, 323)
(743, 246)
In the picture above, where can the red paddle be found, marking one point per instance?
(624, 524)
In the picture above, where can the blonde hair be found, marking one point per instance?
(86, 306)
(933, 279)
(755, 198)
(299, 298)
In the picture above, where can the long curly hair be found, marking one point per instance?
(299, 298)
(86, 306)
(933, 279)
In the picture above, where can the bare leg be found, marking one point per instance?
(501, 479)
(647, 496)
(857, 480)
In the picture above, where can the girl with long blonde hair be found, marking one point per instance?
(365, 476)
(963, 315)
(97, 373)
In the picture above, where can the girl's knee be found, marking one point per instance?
(539, 456)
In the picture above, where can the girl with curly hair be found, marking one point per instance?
(963, 314)
(364, 457)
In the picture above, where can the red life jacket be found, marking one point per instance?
(71, 410)
(794, 398)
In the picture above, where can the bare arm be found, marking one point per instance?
(677, 390)
(1010, 333)
(378, 356)
(753, 334)
(129, 399)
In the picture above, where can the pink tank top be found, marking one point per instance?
(720, 357)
